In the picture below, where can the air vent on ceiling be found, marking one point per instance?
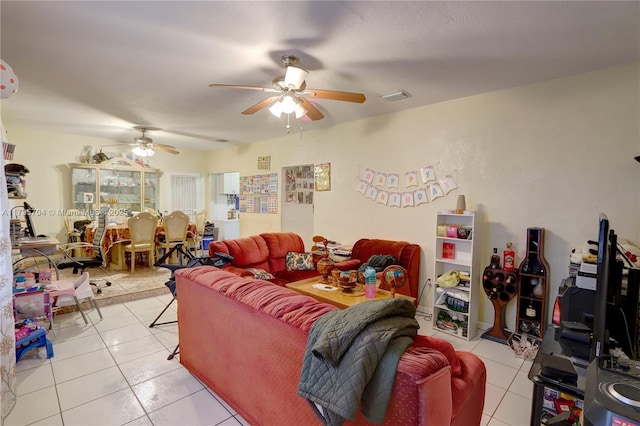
(396, 96)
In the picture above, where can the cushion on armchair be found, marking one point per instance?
(299, 261)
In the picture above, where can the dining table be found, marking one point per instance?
(118, 234)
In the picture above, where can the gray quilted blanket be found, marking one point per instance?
(351, 358)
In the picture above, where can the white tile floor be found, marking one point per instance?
(115, 372)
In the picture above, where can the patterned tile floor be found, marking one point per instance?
(115, 371)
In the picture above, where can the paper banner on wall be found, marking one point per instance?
(394, 199)
(410, 179)
(447, 184)
(372, 192)
(407, 199)
(435, 191)
(382, 197)
(362, 186)
(380, 179)
(428, 174)
(393, 180)
(420, 196)
(367, 176)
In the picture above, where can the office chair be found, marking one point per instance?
(79, 264)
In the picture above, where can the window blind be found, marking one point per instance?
(184, 190)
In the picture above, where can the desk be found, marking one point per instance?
(34, 248)
(553, 344)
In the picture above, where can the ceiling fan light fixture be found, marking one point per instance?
(276, 109)
(300, 110)
(288, 104)
(143, 152)
(294, 77)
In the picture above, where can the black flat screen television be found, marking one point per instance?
(600, 339)
(615, 322)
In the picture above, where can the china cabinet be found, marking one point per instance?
(455, 306)
(118, 184)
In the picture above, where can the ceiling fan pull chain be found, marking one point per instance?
(288, 125)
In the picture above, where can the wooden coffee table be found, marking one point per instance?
(338, 297)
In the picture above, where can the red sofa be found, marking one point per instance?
(245, 339)
(267, 251)
(408, 256)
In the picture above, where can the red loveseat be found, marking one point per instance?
(245, 339)
(265, 251)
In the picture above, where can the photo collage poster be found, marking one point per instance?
(259, 194)
(299, 184)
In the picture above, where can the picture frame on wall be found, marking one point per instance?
(322, 175)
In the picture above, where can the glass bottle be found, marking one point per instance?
(495, 259)
(509, 258)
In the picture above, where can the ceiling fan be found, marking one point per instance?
(291, 93)
(145, 147)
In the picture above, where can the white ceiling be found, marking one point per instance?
(99, 68)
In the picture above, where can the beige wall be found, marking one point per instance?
(553, 154)
(47, 155)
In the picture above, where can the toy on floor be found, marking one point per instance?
(31, 335)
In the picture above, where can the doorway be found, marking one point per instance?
(297, 202)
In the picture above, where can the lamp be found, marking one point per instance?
(143, 151)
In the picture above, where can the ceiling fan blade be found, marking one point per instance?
(312, 112)
(262, 104)
(335, 95)
(235, 86)
(121, 144)
(295, 77)
(165, 148)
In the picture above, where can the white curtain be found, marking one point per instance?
(7, 329)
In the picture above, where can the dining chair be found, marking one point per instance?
(175, 231)
(142, 231)
(196, 239)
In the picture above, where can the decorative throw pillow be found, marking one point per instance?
(261, 274)
(299, 261)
